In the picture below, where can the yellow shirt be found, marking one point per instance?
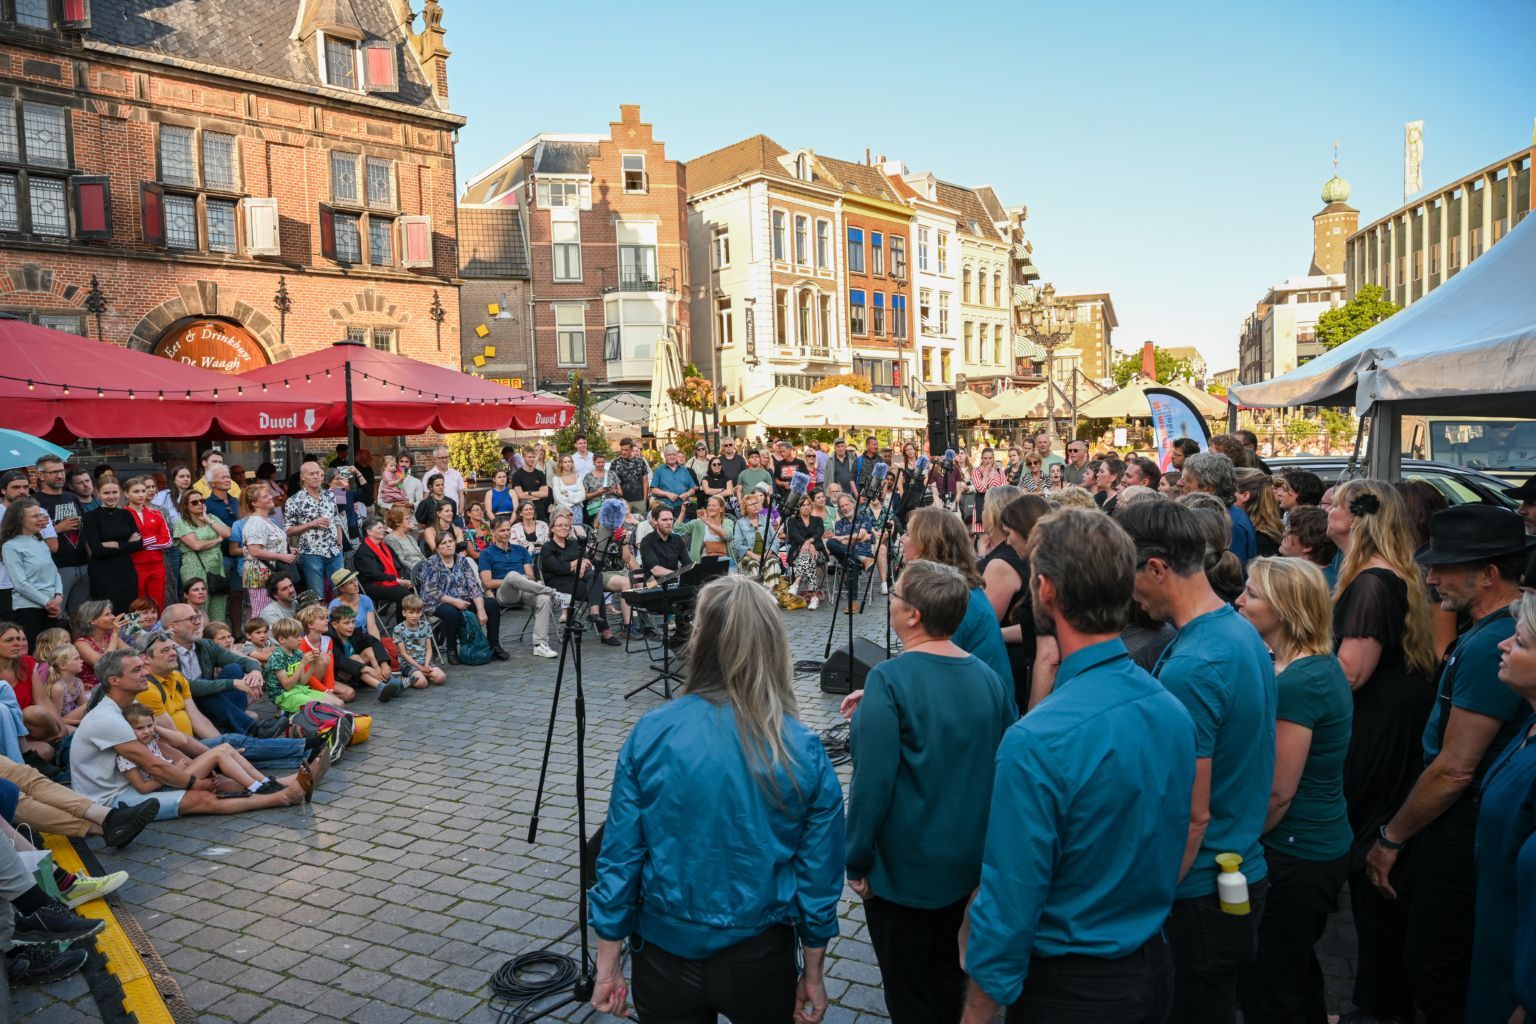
(201, 487)
(169, 696)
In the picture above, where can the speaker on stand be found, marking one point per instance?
(943, 424)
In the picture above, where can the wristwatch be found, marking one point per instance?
(1381, 837)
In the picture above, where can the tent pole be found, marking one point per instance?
(1231, 418)
(1385, 446)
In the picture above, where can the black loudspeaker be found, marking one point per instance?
(943, 426)
(842, 674)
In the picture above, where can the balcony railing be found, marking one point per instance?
(645, 279)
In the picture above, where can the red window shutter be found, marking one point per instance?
(77, 13)
(152, 213)
(415, 241)
(327, 232)
(93, 207)
(380, 73)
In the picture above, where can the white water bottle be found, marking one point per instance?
(1231, 885)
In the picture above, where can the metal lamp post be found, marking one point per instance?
(1048, 320)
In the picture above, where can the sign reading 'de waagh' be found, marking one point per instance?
(215, 345)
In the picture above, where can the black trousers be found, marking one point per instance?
(1136, 989)
(919, 955)
(33, 621)
(1381, 929)
(1284, 985)
(752, 982)
(1209, 948)
(1439, 884)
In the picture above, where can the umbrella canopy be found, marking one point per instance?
(971, 406)
(61, 387)
(1130, 402)
(18, 449)
(843, 406)
(765, 403)
(394, 394)
(626, 408)
(1028, 404)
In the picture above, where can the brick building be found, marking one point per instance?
(578, 260)
(189, 155)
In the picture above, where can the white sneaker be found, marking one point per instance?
(794, 588)
(813, 603)
(544, 651)
(885, 588)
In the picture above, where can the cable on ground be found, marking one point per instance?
(835, 742)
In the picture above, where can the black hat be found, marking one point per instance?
(1474, 533)
(1525, 492)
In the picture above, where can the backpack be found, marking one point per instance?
(320, 719)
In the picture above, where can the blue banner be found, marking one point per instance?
(1172, 418)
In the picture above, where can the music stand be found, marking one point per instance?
(669, 598)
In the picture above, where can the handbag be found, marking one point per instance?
(218, 584)
(474, 648)
(255, 573)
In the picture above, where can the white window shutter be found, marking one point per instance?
(261, 226)
(415, 241)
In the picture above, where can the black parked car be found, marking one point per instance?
(1460, 486)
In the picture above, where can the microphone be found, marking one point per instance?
(765, 489)
(882, 470)
(949, 460)
(923, 463)
(611, 515)
(797, 487)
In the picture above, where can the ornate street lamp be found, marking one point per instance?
(438, 315)
(96, 303)
(284, 305)
(1048, 321)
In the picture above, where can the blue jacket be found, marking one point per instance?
(696, 857)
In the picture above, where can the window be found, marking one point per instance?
(944, 313)
(380, 72)
(997, 288)
(67, 324)
(565, 236)
(965, 332)
(1455, 257)
(178, 165)
(823, 245)
(802, 240)
(965, 285)
(778, 235)
(899, 316)
(357, 335)
(781, 316)
(943, 252)
(720, 248)
(383, 339)
(922, 248)
(340, 62)
(613, 343)
(349, 240)
(381, 183)
(381, 241)
(824, 322)
(899, 257)
(33, 14)
(879, 317)
(344, 177)
(999, 353)
(571, 334)
(219, 160)
(10, 215)
(876, 252)
(221, 226)
(803, 321)
(637, 267)
(925, 308)
(556, 193)
(634, 172)
(856, 251)
(181, 222)
(856, 314)
(724, 335)
(50, 211)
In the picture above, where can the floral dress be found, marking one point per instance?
(200, 565)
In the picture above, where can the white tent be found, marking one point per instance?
(842, 406)
(1130, 402)
(1469, 346)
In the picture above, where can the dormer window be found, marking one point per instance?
(349, 63)
(47, 14)
(340, 62)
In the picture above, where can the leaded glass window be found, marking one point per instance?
(349, 242)
(46, 139)
(381, 183)
(181, 222)
(344, 177)
(50, 211)
(221, 226)
(219, 160)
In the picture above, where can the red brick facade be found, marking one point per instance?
(117, 107)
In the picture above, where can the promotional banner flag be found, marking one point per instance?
(1173, 417)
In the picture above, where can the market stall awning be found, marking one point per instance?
(843, 406)
(394, 394)
(61, 387)
(1029, 404)
(1130, 402)
(971, 406)
(764, 403)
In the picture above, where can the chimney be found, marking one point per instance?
(1148, 361)
(866, 156)
(431, 52)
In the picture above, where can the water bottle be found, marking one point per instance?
(1231, 885)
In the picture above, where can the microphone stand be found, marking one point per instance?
(774, 505)
(858, 509)
(570, 645)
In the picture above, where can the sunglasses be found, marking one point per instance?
(195, 501)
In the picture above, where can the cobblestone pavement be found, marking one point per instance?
(409, 879)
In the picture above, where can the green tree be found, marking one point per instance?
(477, 453)
(584, 422)
(1168, 367)
(1369, 307)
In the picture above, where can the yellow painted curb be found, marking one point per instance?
(140, 995)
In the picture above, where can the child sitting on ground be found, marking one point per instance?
(358, 664)
(258, 641)
(66, 693)
(223, 758)
(413, 637)
(289, 672)
(315, 621)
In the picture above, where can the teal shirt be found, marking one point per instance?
(1221, 670)
(1470, 681)
(1313, 693)
(980, 634)
(1088, 822)
(923, 740)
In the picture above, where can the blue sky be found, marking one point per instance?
(1169, 154)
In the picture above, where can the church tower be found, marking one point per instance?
(1331, 225)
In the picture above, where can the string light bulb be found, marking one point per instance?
(30, 387)
(100, 393)
(66, 389)
(161, 397)
(131, 395)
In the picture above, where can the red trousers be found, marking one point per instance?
(150, 566)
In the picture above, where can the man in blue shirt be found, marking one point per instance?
(1475, 556)
(1218, 666)
(1090, 804)
(1212, 472)
(673, 483)
(506, 571)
